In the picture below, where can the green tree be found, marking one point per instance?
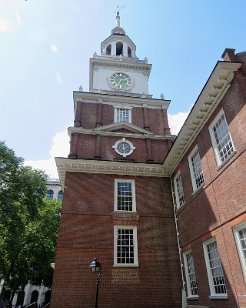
(28, 223)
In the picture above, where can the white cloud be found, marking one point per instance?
(18, 18)
(59, 78)
(59, 148)
(54, 48)
(6, 25)
(176, 121)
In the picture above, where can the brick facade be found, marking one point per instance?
(219, 205)
(88, 176)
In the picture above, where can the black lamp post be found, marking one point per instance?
(96, 267)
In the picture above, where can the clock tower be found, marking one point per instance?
(117, 204)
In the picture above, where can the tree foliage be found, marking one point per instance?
(28, 223)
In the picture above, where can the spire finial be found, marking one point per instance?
(118, 15)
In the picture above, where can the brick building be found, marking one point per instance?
(126, 180)
(207, 164)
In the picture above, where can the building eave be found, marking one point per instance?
(107, 167)
(91, 97)
(209, 98)
(96, 132)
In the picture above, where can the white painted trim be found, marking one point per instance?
(214, 143)
(116, 107)
(236, 229)
(109, 99)
(214, 90)
(135, 241)
(176, 190)
(189, 295)
(109, 131)
(107, 167)
(213, 295)
(123, 140)
(193, 180)
(116, 181)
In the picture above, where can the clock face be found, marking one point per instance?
(120, 80)
(124, 147)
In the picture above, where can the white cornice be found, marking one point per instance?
(211, 95)
(96, 131)
(108, 99)
(107, 167)
(123, 125)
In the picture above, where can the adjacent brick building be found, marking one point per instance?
(207, 163)
(126, 180)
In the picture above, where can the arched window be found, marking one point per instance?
(119, 49)
(60, 195)
(129, 52)
(108, 50)
(34, 296)
(50, 194)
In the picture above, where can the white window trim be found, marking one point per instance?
(189, 295)
(135, 241)
(236, 229)
(116, 181)
(214, 143)
(213, 295)
(122, 107)
(176, 190)
(193, 180)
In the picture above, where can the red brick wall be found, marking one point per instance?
(86, 232)
(211, 211)
(87, 115)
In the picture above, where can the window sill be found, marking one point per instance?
(125, 265)
(194, 297)
(225, 161)
(198, 190)
(218, 296)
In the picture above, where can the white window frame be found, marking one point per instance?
(128, 109)
(177, 192)
(242, 258)
(188, 274)
(193, 179)
(135, 246)
(116, 181)
(213, 294)
(218, 157)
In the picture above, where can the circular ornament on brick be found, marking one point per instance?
(123, 147)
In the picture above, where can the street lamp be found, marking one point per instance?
(96, 267)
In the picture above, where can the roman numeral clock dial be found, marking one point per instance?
(120, 81)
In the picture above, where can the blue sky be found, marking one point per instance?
(45, 46)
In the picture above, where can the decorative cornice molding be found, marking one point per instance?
(109, 99)
(96, 131)
(123, 125)
(209, 98)
(107, 167)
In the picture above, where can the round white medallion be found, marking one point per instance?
(123, 147)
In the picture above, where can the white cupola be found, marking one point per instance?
(118, 43)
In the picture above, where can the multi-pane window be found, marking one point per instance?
(221, 138)
(50, 194)
(179, 193)
(125, 195)
(196, 169)
(214, 268)
(190, 275)
(122, 115)
(125, 242)
(60, 195)
(240, 234)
